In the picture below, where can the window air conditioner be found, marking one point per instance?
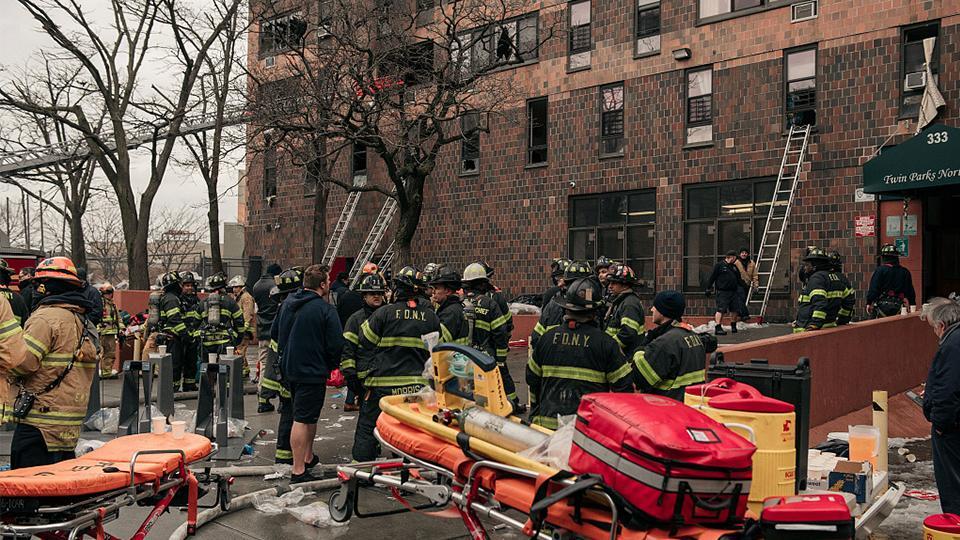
(803, 11)
(269, 61)
(915, 81)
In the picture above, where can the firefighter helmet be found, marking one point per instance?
(275, 294)
(621, 273)
(105, 287)
(216, 282)
(236, 281)
(557, 267)
(487, 268)
(188, 277)
(5, 267)
(61, 268)
(576, 270)
(835, 259)
(890, 250)
(409, 279)
(583, 294)
(429, 270)
(603, 262)
(289, 280)
(169, 280)
(370, 268)
(447, 276)
(815, 254)
(475, 272)
(371, 283)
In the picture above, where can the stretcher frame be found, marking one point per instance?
(468, 496)
(90, 514)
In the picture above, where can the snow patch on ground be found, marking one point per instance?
(711, 325)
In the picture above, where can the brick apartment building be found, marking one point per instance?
(654, 133)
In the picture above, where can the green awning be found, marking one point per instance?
(928, 160)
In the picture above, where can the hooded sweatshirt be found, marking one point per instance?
(310, 338)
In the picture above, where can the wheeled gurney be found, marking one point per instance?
(75, 498)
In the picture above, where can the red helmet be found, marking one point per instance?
(61, 268)
(621, 273)
(370, 268)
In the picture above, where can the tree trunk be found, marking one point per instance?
(315, 172)
(78, 249)
(213, 220)
(410, 211)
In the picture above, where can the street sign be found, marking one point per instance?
(903, 246)
(865, 226)
(861, 197)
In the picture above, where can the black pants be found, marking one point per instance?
(284, 453)
(186, 370)
(365, 445)
(508, 385)
(946, 470)
(744, 311)
(28, 449)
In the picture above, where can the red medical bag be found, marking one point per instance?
(806, 517)
(668, 462)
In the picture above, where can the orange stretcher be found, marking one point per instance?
(75, 498)
(475, 487)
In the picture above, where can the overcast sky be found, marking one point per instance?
(20, 40)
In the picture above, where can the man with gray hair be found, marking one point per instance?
(941, 402)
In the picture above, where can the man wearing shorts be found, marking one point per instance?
(726, 279)
(310, 341)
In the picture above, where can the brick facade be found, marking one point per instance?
(515, 217)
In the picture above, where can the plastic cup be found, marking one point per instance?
(913, 309)
(158, 424)
(179, 428)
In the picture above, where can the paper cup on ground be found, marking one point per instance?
(178, 428)
(158, 424)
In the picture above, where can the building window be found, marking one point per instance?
(513, 42)
(648, 26)
(913, 70)
(470, 143)
(580, 39)
(359, 159)
(726, 216)
(616, 225)
(269, 173)
(712, 8)
(611, 119)
(281, 33)
(801, 87)
(700, 105)
(324, 17)
(537, 131)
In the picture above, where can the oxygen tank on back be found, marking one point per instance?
(213, 309)
(153, 309)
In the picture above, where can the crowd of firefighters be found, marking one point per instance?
(592, 335)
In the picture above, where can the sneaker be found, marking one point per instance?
(350, 407)
(266, 407)
(303, 478)
(733, 328)
(313, 462)
(720, 331)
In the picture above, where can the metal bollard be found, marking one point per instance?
(235, 390)
(133, 419)
(165, 391)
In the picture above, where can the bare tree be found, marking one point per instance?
(113, 60)
(400, 78)
(174, 239)
(219, 91)
(105, 247)
(55, 85)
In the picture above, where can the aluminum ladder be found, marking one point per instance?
(374, 237)
(346, 216)
(388, 256)
(778, 217)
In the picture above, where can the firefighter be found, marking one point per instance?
(602, 268)
(821, 297)
(488, 321)
(429, 270)
(557, 266)
(501, 300)
(574, 359)
(193, 318)
(673, 355)
(624, 321)
(50, 381)
(249, 308)
(890, 285)
(444, 284)
(849, 299)
(110, 329)
(266, 312)
(170, 330)
(17, 304)
(392, 336)
(223, 325)
(551, 315)
(287, 282)
(28, 289)
(355, 362)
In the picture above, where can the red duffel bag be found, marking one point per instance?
(667, 462)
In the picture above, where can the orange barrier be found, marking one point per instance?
(849, 362)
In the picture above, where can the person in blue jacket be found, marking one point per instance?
(941, 402)
(310, 340)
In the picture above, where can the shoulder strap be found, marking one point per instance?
(73, 358)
